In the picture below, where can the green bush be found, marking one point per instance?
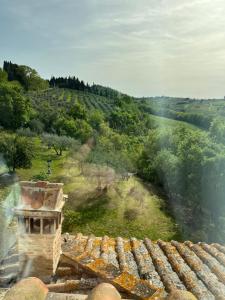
(131, 214)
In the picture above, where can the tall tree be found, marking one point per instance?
(14, 108)
(17, 151)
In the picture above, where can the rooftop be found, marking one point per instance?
(145, 268)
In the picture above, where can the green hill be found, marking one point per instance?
(199, 112)
(96, 136)
(60, 97)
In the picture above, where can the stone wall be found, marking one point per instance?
(39, 254)
(57, 248)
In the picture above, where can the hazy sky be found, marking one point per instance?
(142, 47)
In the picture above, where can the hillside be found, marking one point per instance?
(123, 209)
(62, 97)
(93, 137)
(59, 98)
(199, 112)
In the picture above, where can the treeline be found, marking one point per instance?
(77, 84)
(18, 111)
(26, 76)
(15, 108)
(189, 165)
(198, 119)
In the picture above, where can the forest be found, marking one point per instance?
(175, 145)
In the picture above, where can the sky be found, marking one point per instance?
(140, 47)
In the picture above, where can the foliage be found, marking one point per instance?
(36, 126)
(217, 130)
(96, 118)
(17, 151)
(14, 108)
(124, 121)
(188, 165)
(59, 143)
(194, 111)
(131, 214)
(129, 135)
(78, 111)
(41, 176)
(76, 84)
(25, 75)
(3, 76)
(118, 151)
(25, 132)
(79, 129)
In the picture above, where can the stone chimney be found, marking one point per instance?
(39, 215)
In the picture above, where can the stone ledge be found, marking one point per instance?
(60, 296)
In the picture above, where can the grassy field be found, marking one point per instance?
(202, 106)
(126, 208)
(166, 122)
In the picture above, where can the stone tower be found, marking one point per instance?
(39, 215)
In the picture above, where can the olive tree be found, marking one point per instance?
(59, 143)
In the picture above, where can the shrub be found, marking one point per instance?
(25, 132)
(131, 214)
(41, 176)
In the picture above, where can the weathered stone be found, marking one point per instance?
(40, 220)
(104, 291)
(181, 295)
(30, 288)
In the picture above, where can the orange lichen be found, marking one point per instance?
(126, 281)
(135, 243)
(186, 259)
(127, 246)
(111, 242)
(96, 242)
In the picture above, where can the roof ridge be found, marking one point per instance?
(121, 279)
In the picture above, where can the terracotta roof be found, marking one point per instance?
(153, 266)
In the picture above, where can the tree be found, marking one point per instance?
(17, 151)
(125, 120)
(217, 130)
(26, 76)
(31, 80)
(78, 111)
(78, 129)
(103, 175)
(118, 151)
(83, 131)
(14, 108)
(96, 118)
(36, 126)
(59, 143)
(65, 126)
(3, 76)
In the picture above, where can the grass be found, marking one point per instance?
(105, 214)
(126, 208)
(89, 210)
(166, 122)
(209, 107)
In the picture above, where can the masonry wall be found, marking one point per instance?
(39, 254)
(57, 248)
